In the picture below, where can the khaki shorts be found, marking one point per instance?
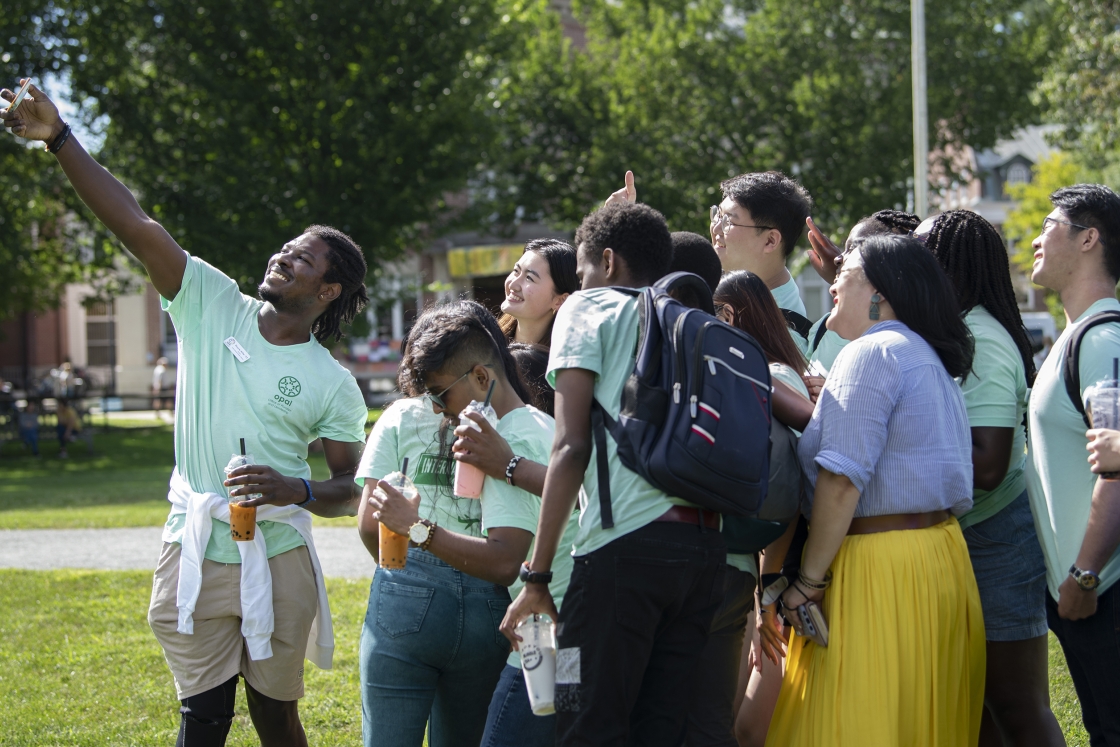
(216, 652)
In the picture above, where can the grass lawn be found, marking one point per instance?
(79, 666)
(122, 484)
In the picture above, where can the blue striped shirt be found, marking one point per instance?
(892, 420)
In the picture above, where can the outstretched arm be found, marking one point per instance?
(37, 119)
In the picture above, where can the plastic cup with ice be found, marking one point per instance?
(538, 661)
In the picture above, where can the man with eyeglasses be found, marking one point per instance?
(1077, 515)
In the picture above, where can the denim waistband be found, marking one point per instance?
(426, 567)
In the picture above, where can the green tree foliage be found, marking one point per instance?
(46, 237)
(688, 93)
(1032, 200)
(239, 122)
(1081, 87)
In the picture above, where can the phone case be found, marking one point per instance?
(813, 623)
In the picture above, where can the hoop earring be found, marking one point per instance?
(873, 313)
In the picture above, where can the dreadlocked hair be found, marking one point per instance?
(975, 259)
(347, 267)
(893, 221)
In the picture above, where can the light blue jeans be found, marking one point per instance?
(431, 654)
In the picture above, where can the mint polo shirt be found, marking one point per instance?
(824, 355)
(279, 399)
(1059, 481)
(597, 330)
(529, 433)
(995, 395)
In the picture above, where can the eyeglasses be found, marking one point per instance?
(720, 220)
(438, 398)
(1048, 221)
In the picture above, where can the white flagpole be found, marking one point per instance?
(921, 115)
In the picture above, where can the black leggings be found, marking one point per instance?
(206, 717)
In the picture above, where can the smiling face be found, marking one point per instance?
(851, 296)
(742, 247)
(530, 293)
(1056, 252)
(294, 277)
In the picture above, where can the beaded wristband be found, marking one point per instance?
(310, 495)
(511, 467)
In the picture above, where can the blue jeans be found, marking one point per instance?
(430, 654)
(30, 436)
(510, 722)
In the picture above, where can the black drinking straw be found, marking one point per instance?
(489, 393)
(404, 466)
(243, 441)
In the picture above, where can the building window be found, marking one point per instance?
(1018, 173)
(101, 333)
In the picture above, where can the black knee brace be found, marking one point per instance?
(206, 717)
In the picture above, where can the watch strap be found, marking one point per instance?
(529, 576)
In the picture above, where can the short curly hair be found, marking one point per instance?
(637, 233)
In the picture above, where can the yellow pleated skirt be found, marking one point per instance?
(906, 654)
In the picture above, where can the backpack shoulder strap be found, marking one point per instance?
(1071, 368)
(816, 343)
(602, 468)
(800, 324)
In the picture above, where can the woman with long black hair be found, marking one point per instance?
(888, 451)
(1002, 541)
(535, 288)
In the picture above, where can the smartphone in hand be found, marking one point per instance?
(19, 97)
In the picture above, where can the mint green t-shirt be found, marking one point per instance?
(995, 394)
(279, 399)
(1059, 481)
(529, 432)
(409, 428)
(824, 355)
(788, 297)
(597, 330)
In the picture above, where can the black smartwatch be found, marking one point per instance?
(1087, 580)
(530, 576)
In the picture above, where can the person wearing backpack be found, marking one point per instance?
(643, 591)
(999, 529)
(1077, 254)
(743, 301)
(895, 654)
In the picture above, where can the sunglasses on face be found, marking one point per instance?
(438, 398)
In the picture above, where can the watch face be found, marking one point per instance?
(1088, 581)
(418, 533)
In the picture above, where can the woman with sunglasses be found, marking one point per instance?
(431, 650)
(888, 452)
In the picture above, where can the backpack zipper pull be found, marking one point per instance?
(712, 366)
(692, 406)
(677, 393)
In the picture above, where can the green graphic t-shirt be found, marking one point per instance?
(234, 384)
(529, 432)
(409, 429)
(995, 394)
(597, 330)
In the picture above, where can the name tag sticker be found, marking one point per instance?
(235, 347)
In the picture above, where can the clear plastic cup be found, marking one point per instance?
(538, 661)
(1102, 403)
(242, 519)
(392, 549)
(468, 478)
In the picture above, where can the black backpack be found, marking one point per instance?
(694, 416)
(1071, 367)
(798, 323)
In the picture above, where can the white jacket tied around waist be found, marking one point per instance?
(257, 622)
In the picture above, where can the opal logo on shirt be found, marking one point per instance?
(290, 388)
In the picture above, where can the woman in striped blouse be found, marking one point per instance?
(888, 451)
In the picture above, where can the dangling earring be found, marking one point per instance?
(873, 314)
